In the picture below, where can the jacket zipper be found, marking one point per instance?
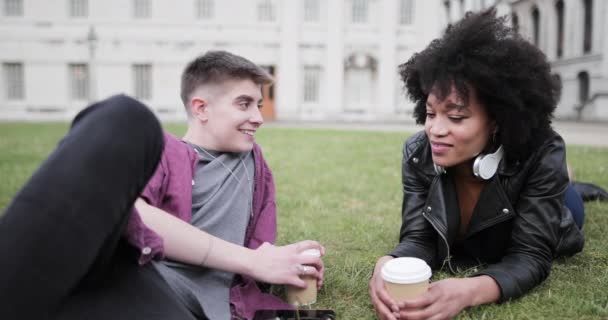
(448, 258)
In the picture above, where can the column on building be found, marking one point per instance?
(335, 58)
(387, 60)
(602, 34)
(93, 44)
(570, 35)
(288, 70)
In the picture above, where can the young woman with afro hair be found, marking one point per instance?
(484, 184)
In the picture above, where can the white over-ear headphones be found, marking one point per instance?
(484, 166)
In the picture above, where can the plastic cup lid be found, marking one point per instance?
(312, 252)
(406, 270)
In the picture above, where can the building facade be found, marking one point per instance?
(332, 59)
(573, 34)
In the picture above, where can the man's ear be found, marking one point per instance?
(198, 108)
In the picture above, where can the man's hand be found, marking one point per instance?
(285, 264)
(187, 244)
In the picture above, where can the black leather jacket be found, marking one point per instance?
(519, 225)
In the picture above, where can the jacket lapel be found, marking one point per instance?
(442, 207)
(492, 207)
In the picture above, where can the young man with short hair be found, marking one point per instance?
(216, 179)
(202, 227)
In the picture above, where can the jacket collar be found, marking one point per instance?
(492, 207)
(422, 158)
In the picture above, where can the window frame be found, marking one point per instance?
(79, 87)
(311, 84)
(142, 9)
(14, 79)
(13, 8)
(81, 5)
(142, 81)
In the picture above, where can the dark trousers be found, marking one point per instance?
(63, 256)
(574, 202)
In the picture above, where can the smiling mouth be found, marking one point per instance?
(440, 148)
(439, 144)
(248, 132)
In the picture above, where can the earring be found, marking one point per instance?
(494, 136)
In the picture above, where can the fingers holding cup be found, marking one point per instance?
(310, 270)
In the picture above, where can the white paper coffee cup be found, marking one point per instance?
(304, 296)
(406, 278)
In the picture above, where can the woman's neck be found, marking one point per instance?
(464, 172)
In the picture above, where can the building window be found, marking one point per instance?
(266, 11)
(312, 83)
(448, 9)
(79, 81)
(204, 9)
(13, 77)
(142, 8)
(559, 10)
(587, 36)
(79, 8)
(142, 76)
(557, 81)
(515, 22)
(360, 78)
(583, 87)
(535, 25)
(13, 8)
(360, 9)
(462, 8)
(406, 12)
(312, 9)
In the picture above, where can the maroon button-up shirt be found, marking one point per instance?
(170, 189)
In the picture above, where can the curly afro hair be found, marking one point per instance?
(511, 77)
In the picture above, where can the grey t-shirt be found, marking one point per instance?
(222, 193)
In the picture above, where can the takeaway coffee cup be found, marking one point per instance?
(304, 296)
(406, 278)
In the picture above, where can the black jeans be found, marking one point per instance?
(63, 256)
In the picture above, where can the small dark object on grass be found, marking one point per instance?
(302, 314)
(590, 191)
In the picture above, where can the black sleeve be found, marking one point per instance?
(535, 234)
(416, 238)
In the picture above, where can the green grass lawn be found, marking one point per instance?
(343, 189)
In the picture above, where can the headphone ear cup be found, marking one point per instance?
(485, 166)
(477, 164)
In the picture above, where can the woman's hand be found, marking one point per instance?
(447, 297)
(285, 264)
(386, 308)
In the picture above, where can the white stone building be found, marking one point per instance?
(332, 59)
(574, 36)
(453, 10)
